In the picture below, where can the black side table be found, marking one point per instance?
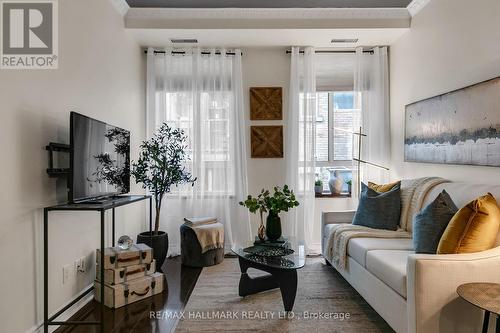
(485, 296)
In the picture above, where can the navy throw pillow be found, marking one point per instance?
(429, 224)
(379, 210)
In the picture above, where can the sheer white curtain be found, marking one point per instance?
(203, 95)
(300, 143)
(371, 86)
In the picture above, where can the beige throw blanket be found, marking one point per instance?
(209, 232)
(413, 193)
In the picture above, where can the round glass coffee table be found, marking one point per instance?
(282, 272)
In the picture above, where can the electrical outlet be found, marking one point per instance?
(80, 265)
(83, 265)
(66, 273)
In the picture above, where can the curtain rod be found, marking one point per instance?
(331, 51)
(184, 52)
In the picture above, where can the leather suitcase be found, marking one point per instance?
(121, 294)
(115, 257)
(125, 274)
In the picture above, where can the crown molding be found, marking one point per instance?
(267, 13)
(121, 6)
(416, 6)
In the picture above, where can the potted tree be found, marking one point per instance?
(159, 167)
(281, 200)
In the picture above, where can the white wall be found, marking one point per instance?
(451, 44)
(101, 74)
(266, 67)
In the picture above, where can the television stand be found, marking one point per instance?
(101, 207)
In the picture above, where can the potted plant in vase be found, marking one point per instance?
(349, 186)
(281, 200)
(318, 186)
(159, 167)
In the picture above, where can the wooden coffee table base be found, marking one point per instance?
(285, 279)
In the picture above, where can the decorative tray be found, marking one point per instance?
(268, 251)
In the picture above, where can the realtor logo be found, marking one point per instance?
(29, 34)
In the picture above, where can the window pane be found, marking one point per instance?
(343, 118)
(322, 128)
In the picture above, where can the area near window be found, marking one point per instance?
(334, 127)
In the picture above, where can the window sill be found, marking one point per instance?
(198, 196)
(331, 195)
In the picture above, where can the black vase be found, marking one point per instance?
(159, 245)
(273, 226)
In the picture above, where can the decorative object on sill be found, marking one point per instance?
(318, 186)
(266, 103)
(283, 199)
(349, 186)
(168, 145)
(266, 141)
(465, 127)
(125, 242)
(336, 182)
(359, 161)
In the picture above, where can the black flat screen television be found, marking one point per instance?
(99, 159)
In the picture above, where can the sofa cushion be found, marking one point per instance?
(383, 187)
(474, 227)
(430, 223)
(358, 247)
(378, 210)
(390, 267)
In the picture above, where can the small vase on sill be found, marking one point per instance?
(273, 226)
(336, 182)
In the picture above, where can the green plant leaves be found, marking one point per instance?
(283, 199)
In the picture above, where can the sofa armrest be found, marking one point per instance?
(432, 281)
(344, 216)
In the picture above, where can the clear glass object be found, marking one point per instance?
(125, 242)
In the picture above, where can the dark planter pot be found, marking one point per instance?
(273, 226)
(159, 245)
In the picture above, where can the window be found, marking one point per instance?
(208, 131)
(334, 127)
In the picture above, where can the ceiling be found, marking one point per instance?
(268, 3)
(268, 23)
(232, 38)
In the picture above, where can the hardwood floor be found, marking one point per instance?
(135, 318)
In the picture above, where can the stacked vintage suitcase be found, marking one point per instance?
(129, 276)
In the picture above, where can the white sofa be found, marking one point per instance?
(417, 292)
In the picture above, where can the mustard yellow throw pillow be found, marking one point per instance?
(384, 187)
(473, 228)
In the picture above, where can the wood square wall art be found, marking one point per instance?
(266, 103)
(266, 141)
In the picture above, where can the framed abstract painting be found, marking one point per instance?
(459, 127)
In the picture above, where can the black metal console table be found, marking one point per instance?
(101, 207)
